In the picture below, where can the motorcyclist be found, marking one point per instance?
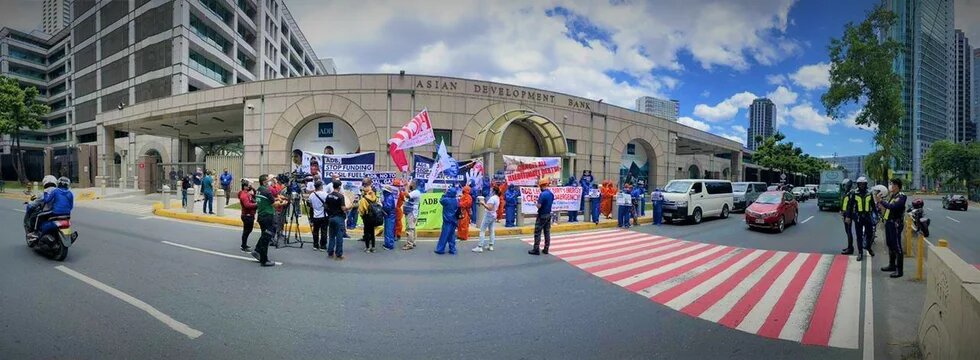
(57, 201)
(862, 212)
(847, 201)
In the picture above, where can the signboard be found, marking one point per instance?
(325, 130)
(567, 198)
(526, 170)
(430, 212)
(467, 168)
(350, 168)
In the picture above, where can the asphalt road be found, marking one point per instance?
(956, 226)
(412, 305)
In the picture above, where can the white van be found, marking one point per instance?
(693, 199)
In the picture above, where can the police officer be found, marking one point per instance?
(894, 212)
(847, 203)
(861, 214)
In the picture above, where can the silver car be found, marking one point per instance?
(746, 193)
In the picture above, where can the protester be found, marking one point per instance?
(586, 184)
(399, 209)
(389, 193)
(608, 192)
(336, 206)
(636, 195)
(542, 223)
(642, 192)
(596, 198)
(447, 236)
(185, 184)
(318, 222)
(489, 220)
(573, 215)
(173, 178)
(266, 214)
(502, 187)
(474, 192)
(658, 206)
(624, 202)
(352, 200)
(246, 196)
(207, 187)
(226, 179)
(513, 197)
(465, 202)
(411, 210)
(368, 198)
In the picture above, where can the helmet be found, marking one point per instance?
(863, 180)
(49, 180)
(544, 181)
(917, 203)
(64, 182)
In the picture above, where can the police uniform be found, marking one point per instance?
(861, 215)
(846, 208)
(894, 212)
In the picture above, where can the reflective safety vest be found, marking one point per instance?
(863, 203)
(847, 199)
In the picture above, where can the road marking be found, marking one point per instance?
(845, 331)
(148, 217)
(807, 219)
(869, 317)
(164, 318)
(930, 209)
(952, 219)
(19, 210)
(215, 252)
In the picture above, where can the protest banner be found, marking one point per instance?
(567, 198)
(430, 212)
(526, 170)
(467, 169)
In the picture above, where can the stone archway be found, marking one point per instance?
(308, 108)
(642, 139)
(523, 126)
(155, 146)
(693, 172)
(726, 174)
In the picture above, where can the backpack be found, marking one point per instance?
(375, 214)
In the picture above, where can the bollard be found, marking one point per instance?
(587, 209)
(919, 256)
(907, 236)
(943, 243)
(165, 196)
(219, 196)
(481, 211)
(122, 183)
(190, 201)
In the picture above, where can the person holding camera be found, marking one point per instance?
(265, 203)
(246, 196)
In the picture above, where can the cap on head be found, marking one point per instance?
(543, 182)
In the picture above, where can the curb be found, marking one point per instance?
(158, 210)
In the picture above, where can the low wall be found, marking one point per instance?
(950, 324)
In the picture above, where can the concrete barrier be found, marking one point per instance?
(950, 323)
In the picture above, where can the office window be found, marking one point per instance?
(572, 146)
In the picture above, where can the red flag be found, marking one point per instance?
(398, 157)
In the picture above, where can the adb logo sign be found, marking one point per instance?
(325, 130)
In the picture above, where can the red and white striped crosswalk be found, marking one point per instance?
(814, 299)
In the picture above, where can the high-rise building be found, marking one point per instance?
(976, 94)
(762, 121)
(666, 109)
(118, 53)
(853, 166)
(55, 15)
(963, 124)
(925, 30)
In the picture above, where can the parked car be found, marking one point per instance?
(772, 188)
(955, 201)
(693, 199)
(773, 210)
(801, 193)
(745, 193)
(813, 190)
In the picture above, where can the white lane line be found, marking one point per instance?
(688, 275)
(164, 318)
(697, 292)
(668, 267)
(757, 316)
(214, 252)
(846, 327)
(952, 219)
(653, 241)
(643, 262)
(799, 318)
(148, 217)
(807, 219)
(19, 210)
(869, 317)
(586, 266)
(723, 306)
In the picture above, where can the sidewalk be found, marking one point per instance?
(232, 217)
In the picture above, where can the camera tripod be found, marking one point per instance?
(289, 233)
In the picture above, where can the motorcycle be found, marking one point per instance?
(920, 223)
(54, 241)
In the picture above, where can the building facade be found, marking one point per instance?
(117, 53)
(664, 109)
(964, 128)
(55, 15)
(762, 121)
(853, 165)
(976, 94)
(925, 63)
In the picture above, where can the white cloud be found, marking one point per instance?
(726, 109)
(805, 117)
(700, 125)
(851, 121)
(776, 79)
(516, 41)
(856, 141)
(782, 97)
(811, 77)
(819, 144)
(705, 93)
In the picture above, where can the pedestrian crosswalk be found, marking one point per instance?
(814, 299)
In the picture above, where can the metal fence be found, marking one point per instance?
(170, 173)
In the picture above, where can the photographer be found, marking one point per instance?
(266, 213)
(247, 198)
(319, 217)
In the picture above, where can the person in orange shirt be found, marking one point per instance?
(500, 209)
(465, 203)
(607, 193)
(399, 212)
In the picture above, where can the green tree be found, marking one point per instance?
(19, 111)
(861, 72)
(958, 164)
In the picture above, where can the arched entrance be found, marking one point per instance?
(531, 135)
(155, 154)
(693, 172)
(326, 132)
(726, 174)
(638, 164)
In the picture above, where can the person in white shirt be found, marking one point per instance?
(489, 219)
(319, 221)
(411, 210)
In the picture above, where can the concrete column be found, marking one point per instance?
(736, 166)
(165, 196)
(106, 155)
(588, 208)
(190, 201)
(48, 157)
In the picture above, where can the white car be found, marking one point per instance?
(693, 199)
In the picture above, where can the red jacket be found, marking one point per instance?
(248, 203)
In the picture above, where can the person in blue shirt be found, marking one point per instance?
(542, 224)
(573, 215)
(447, 236)
(658, 206)
(226, 179)
(642, 189)
(198, 177)
(389, 197)
(586, 183)
(596, 199)
(57, 201)
(512, 200)
(207, 188)
(474, 206)
(637, 195)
